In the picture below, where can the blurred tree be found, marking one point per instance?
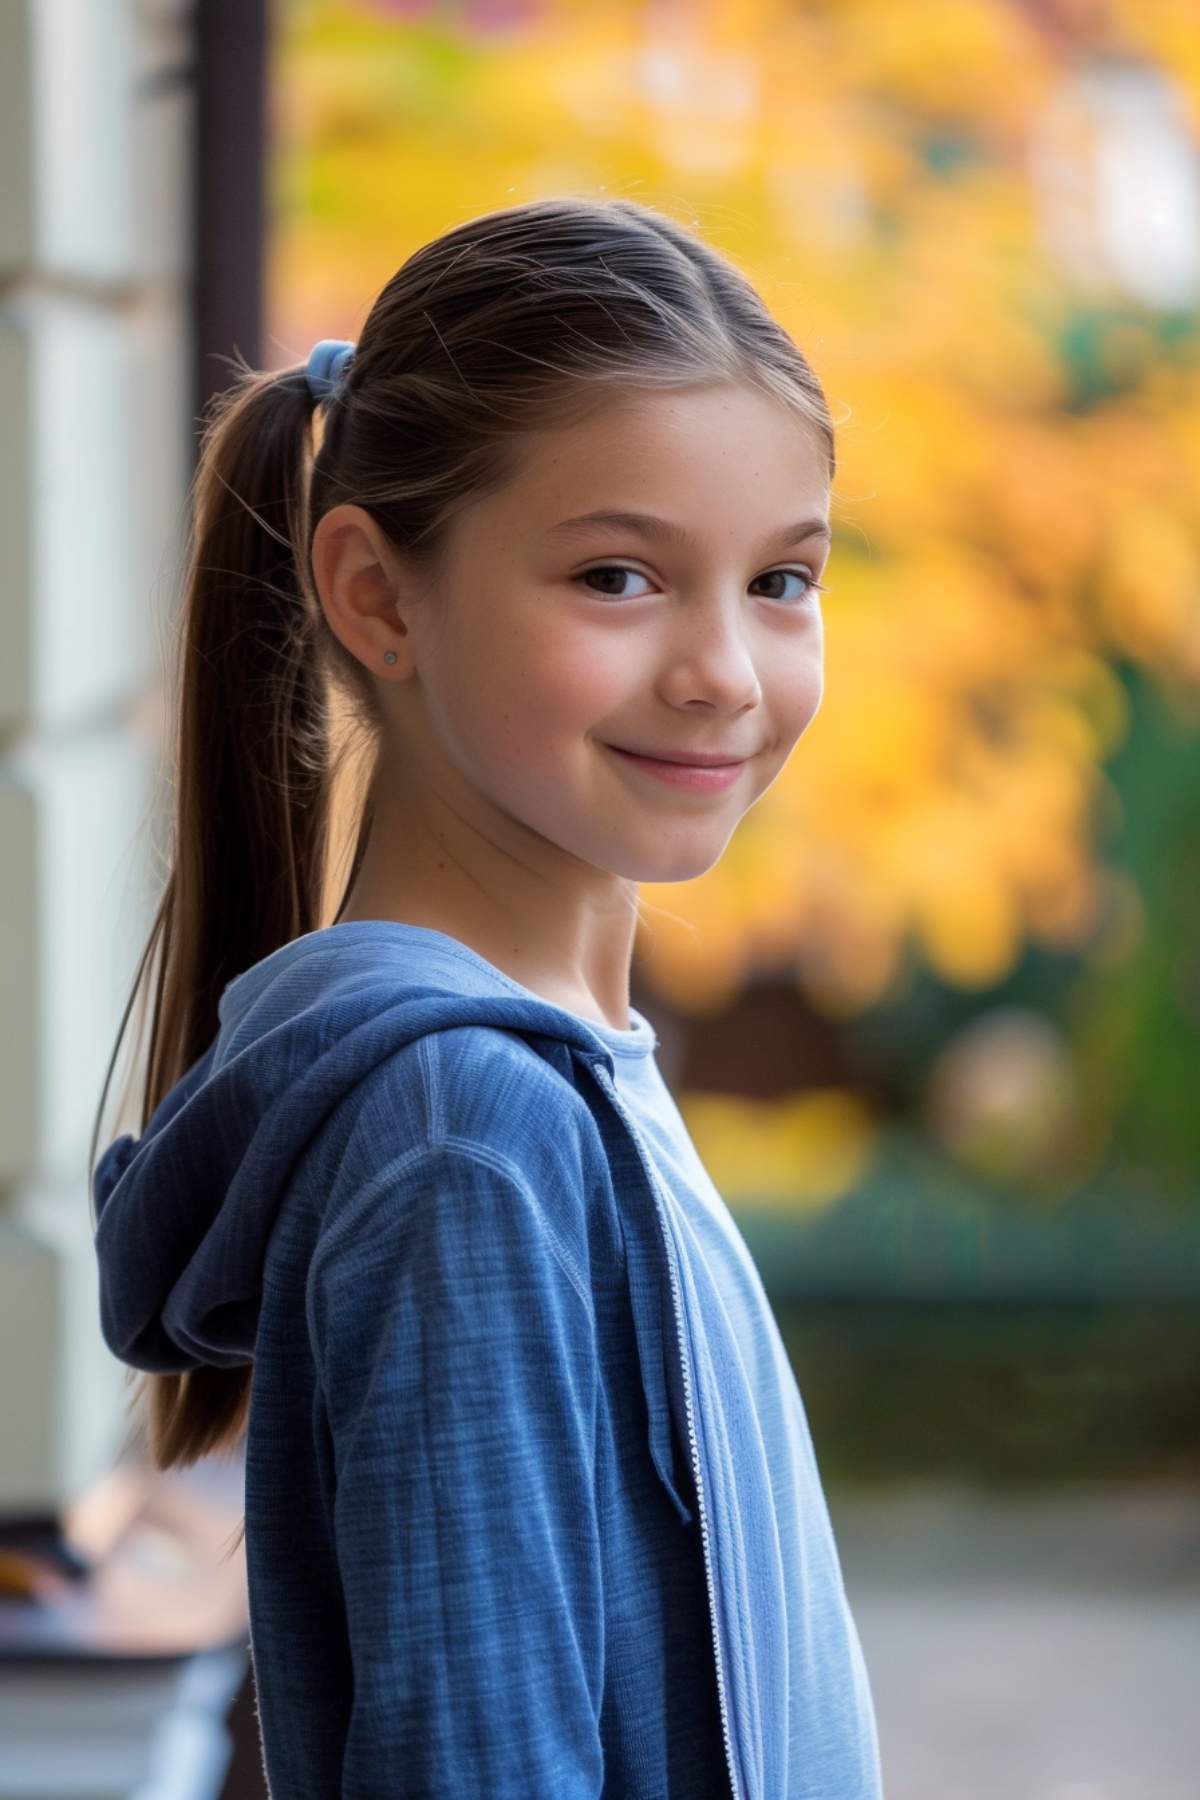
(1018, 538)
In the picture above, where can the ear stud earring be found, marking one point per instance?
(389, 656)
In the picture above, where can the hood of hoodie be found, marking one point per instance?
(185, 1211)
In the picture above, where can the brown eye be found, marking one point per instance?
(612, 569)
(813, 586)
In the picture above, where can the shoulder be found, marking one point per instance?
(461, 1138)
(476, 1094)
(484, 1088)
(485, 1078)
(446, 1214)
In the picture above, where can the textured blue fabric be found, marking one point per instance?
(531, 1502)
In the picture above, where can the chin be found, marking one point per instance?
(680, 862)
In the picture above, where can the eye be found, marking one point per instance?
(611, 569)
(813, 585)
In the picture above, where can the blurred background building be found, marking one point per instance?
(934, 1019)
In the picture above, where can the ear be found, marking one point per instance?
(364, 590)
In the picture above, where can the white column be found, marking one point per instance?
(95, 372)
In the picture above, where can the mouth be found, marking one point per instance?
(698, 777)
(691, 759)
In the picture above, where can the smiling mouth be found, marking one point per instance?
(683, 778)
(697, 761)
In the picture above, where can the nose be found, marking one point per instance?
(712, 658)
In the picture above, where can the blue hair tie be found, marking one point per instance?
(326, 365)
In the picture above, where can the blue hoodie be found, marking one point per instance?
(531, 1502)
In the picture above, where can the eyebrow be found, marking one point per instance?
(667, 532)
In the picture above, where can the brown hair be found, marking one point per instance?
(517, 320)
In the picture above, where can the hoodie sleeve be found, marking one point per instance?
(456, 1347)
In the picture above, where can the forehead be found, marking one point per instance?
(702, 461)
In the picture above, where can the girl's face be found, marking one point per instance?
(689, 625)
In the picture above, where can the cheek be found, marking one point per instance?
(792, 690)
(805, 696)
(525, 696)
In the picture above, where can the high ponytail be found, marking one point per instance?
(253, 772)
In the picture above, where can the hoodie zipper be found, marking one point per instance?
(610, 1086)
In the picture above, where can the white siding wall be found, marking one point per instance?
(95, 121)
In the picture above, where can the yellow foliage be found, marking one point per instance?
(803, 1153)
(999, 543)
(1149, 580)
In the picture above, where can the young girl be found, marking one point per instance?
(531, 1502)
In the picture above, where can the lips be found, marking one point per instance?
(691, 759)
(684, 777)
